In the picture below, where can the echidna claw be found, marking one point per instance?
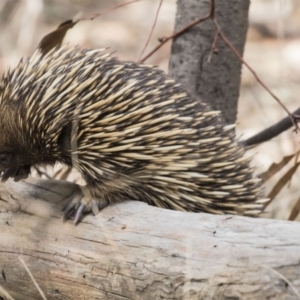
(81, 202)
(68, 209)
(73, 204)
(79, 213)
(5, 175)
(95, 207)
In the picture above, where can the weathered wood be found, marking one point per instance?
(134, 251)
(214, 77)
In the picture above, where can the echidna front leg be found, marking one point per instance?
(82, 201)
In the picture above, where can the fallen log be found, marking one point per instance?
(135, 251)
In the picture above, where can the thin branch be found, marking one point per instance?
(32, 278)
(272, 131)
(5, 295)
(294, 118)
(212, 9)
(233, 49)
(285, 279)
(93, 16)
(213, 47)
(151, 31)
(184, 29)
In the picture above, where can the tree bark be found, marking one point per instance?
(217, 81)
(135, 251)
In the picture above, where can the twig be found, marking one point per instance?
(32, 278)
(151, 31)
(93, 16)
(233, 49)
(5, 295)
(213, 47)
(211, 15)
(166, 39)
(293, 117)
(272, 131)
(285, 279)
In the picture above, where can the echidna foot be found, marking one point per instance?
(81, 202)
(17, 173)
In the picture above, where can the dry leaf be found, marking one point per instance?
(283, 181)
(295, 211)
(276, 167)
(56, 37)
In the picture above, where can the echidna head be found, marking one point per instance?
(13, 150)
(6, 159)
(11, 154)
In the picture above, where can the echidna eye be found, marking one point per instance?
(5, 158)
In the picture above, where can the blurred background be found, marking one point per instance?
(272, 49)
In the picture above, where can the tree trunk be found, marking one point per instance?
(135, 251)
(216, 81)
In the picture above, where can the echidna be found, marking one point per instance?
(131, 131)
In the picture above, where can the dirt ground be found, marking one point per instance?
(272, 49)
